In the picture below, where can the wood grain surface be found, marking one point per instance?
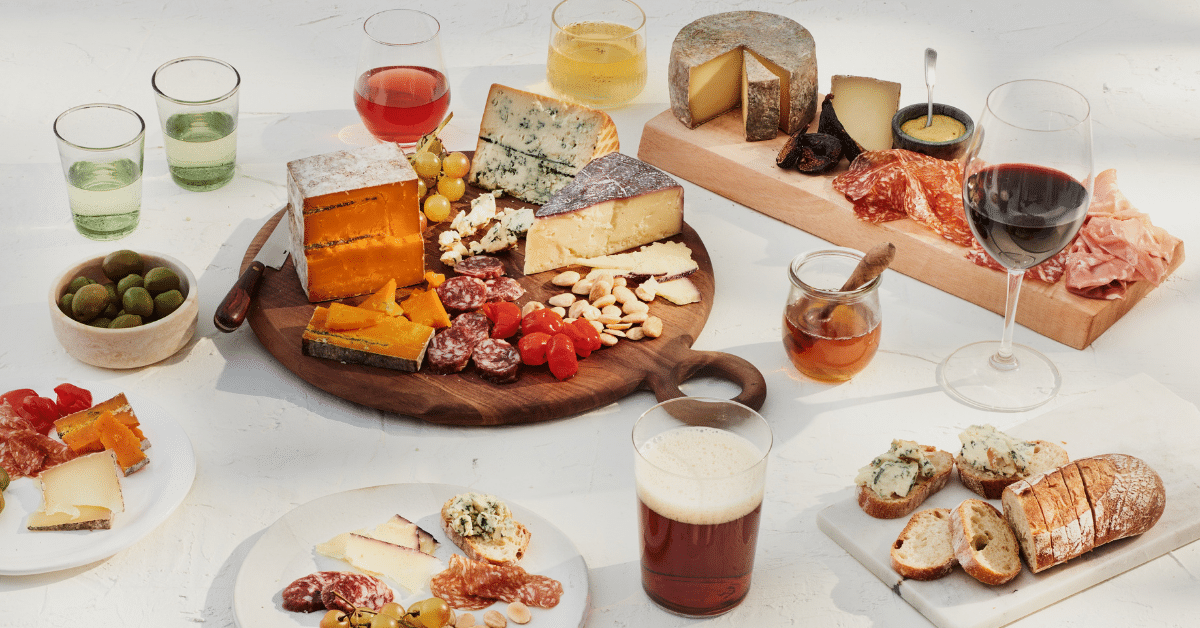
(716, 156)
(280, 312)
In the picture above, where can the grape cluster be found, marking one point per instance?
(447, 176)
(431, 613)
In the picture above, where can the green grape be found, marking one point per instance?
(431, 613)
(452, 189)
(362, 617)
(422, 188)
(384, 621)
(456, 165)
(394, 609)
(335, 619)
(427, 164)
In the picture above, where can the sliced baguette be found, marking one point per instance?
(1058, 508)
(890, 507)
(983, 543)
(1126, 495)
(1024, 516)
(990, 485)
(923, 550)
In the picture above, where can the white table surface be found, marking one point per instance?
(266, 442)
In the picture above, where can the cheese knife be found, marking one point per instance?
(232, 311)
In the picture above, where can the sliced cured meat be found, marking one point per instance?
(892, 184)
(481, 267)
(497, 360)
(503, 289)
(449, 352)
(1117, 246)
(1049, 271)
(26, 453)
(348, 591)
(473, 585)
(304, 595)
(473, 325)
(462, 293)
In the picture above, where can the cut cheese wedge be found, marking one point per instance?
(661, 260)
(679, 291)
(81, 494)
(89, 441)
(865, 107)
(393, 342)
(398, 531)
(409, 567)
(615, 203)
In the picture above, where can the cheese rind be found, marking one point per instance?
(865, 107)
(394, 342)
(355, 221)
(531, 146)
(760, 100)
(706, 65)
(615, 203)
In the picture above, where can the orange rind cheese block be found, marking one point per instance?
(394, 342)
(425, 307)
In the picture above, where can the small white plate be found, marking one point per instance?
(286, 552)
(151, 495)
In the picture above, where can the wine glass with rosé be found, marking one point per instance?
(1026, 184)
(400, 89)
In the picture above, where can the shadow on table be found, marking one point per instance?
(219, 601)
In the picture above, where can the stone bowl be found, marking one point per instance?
(950, 149)
(130, 347)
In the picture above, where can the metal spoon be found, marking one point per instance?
(930, 67)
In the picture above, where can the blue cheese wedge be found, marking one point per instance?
(988, 449)
(895, 472)
(531, 146)
(480, 515)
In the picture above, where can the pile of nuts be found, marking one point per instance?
(605, 301)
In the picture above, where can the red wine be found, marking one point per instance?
(401, 103)
(1022, 214)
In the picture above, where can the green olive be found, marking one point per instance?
(166, 303)
(125, 320)
(101, 321)
(64, 303)
(120, 263)
(129, 281)
(78, 283)
(161, 279)
(138, 301)
(88, 302)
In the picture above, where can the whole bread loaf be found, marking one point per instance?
(1068, 511)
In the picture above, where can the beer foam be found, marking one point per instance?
(700, 475)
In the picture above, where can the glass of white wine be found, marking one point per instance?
(198, 106)
(101, 148)
(597, 51)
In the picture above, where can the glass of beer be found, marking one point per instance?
(101, 148)
(400, 90)
(830, 334)
(700, 467)
(198, 107)
(597, 51)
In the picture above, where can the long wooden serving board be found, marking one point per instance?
(716, 156)
(280, 311)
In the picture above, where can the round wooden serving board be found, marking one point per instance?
(280, 311)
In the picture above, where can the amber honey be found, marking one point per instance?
(833, 350)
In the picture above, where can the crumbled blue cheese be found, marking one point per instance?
(505, 233)
(479, 515)
(895, 472)
(483, 210)
(988, 449)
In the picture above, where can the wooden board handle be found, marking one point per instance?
(680, 363)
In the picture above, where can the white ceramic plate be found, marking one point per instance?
(285, 552)
(151, 495)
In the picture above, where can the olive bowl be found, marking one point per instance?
(950, 149)
(130, 347)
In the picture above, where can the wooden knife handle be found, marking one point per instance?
(231, 313)
(684, 364)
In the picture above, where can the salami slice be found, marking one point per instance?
(497, 360)
(474, 326)
(304, 595)
(503, 289)
(481, 267)
(348, 591)
(462, 293)
(449, 352)
(473, 585)
(26, 453)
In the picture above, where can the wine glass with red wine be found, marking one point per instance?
(400, 89)
(1026, 184)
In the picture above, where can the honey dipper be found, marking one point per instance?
(872, 264)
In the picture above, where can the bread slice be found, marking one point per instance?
(1083, 508)
(983, 543)
(923, 550)
(497, 550)
(1058, 508)
(1126, 495)
(1024, 516)
(892, 507)
(989, 485)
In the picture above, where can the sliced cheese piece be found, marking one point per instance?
(706, 65)
(80, 494)
(865, 107)
(398, 531)
(531, 146)
(336, 547)
(615, 203)
(342, 317)
(679, 291)
(408, 567)
(760, 100)
(355, 221)
(662, 260)
(125, 445)
(384, 300)
(394, 342)
(68, 427)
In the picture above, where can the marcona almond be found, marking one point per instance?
(624, 295)
(653, 327)
(565, 299)
(561, 311)
(493, 619)
(636, 333)
(576, 308)
(466, 620)
(566, 278)
(637, 318)
(620, 281)
(590, 312)
(601, 288)
(583, 286)
(608, 339)
(532, 306)
(611, 310)
(598, 324)
(608, 320)
(604, 301)
(619, 326)
(519, 613)
(647, 291)
(635, 306)
(614, 332)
